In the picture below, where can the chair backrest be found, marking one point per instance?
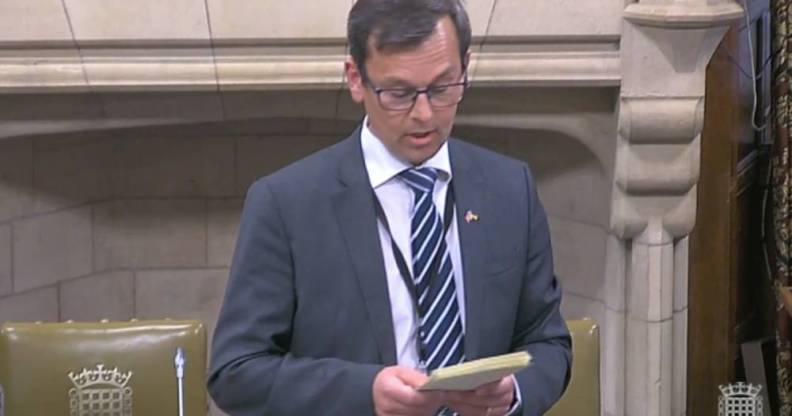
(582, 396)
(102, 369)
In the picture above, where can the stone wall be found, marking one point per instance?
(125, 225)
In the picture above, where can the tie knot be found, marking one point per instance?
(420, 179)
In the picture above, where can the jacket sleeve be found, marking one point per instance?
(252, 371)
(540, 328)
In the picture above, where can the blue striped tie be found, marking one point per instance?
(440, 326)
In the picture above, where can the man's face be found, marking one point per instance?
(415, 134)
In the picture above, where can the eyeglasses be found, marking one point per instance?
(400, 99)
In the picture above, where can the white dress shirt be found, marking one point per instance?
(397, 202)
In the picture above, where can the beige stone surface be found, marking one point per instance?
(612, 350)
(572, 183)
(150, 233)
(259, 156)
(138, 20)
(69, 172)
(41, 20)
(244, 19)
(543, 18)
(169, 107)
(193, 294)
(174, 167)
(189, 68)
(36, 305)
(6, 284)
(680, 359)
(579, 307)
(222, 225)
(650, 288)
(295, 104)
(52, 247)
(36, 70)
(479, 13)
(648, 372)
(579, 254)
(16, 178)
(101, 296)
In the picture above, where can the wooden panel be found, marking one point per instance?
(728, 294)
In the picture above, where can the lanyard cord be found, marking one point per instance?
(401, 263)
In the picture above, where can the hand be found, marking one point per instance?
(492, 399)
(395, 393)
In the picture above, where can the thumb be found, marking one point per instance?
(411, 377)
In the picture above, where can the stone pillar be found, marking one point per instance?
(666, 46)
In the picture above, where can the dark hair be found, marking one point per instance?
(401, 24)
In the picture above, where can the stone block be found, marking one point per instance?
(174, 167)
(614, 281)
(16, 178)
(296, 104)
(52, 247)
(578, 307)
(260, 156)
(579, 253)
(186, 294)
(6, 285)
(275, 20)
(36, 305)
(538, 18)
(223, 223)
(34, 20)
(139, 20)
(612, 341)
(71, 171)
(150, 234)
(648, 382)
(650, 290)
(572, 182)
(101, 296)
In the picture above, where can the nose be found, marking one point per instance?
(422, 108)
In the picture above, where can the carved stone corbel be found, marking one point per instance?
(666, 47)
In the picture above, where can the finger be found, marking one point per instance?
(465, 410)
(498, 387)
(471, 398)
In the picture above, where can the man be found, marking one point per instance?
(393, 252)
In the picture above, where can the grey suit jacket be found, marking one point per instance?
(306, 322)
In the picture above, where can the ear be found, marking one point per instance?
(354, 80)
(466, 63)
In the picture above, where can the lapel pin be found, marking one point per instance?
(470, 216)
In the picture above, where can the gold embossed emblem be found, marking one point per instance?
(100, 392)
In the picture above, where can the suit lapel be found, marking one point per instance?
(471, 196)
(354, 207)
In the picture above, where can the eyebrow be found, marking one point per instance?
(399, 82)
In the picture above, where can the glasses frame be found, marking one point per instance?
(418, 91)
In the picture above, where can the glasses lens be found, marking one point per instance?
(446, 95)
(397, 99)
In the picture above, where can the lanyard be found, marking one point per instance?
(404, 271)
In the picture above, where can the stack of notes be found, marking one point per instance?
(469, 375)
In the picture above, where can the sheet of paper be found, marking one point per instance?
(469, 375)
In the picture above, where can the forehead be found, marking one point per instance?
(434, 57)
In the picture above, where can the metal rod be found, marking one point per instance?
(179, 361)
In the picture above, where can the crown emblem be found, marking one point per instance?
(100, 389)
(100, 375)
(740, 399)
(740, 390)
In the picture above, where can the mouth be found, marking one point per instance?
(420, 136)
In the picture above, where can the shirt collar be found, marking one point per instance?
(382, 166)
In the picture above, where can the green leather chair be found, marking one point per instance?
(582, 396)
(102, 369)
